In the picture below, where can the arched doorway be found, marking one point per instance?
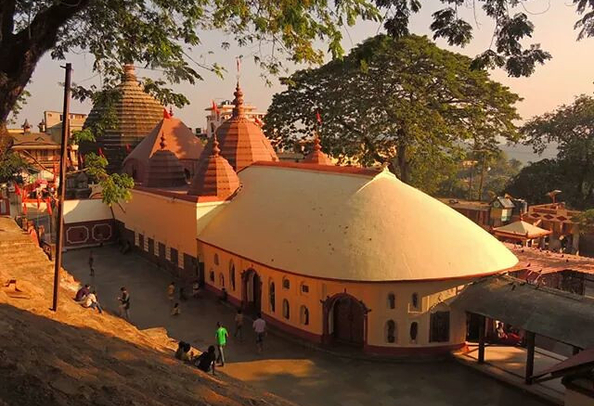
(345, 320)
(251, 291)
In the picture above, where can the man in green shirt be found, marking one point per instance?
(221, 336)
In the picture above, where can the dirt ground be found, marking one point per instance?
(78, 357)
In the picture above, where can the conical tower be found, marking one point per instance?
(242, 141)
(136, 113)
(164, 169)
(215, 177)
(317, 156)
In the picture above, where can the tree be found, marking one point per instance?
(11, 166)
(572, 127)
(537, 179)
(395, 100)
(158, 34)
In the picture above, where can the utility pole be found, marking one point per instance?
(62, 185)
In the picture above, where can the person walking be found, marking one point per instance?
(124, 300)
(259, 327)
(221, 336)
(171, 293)
(91, 262)
(238, 325)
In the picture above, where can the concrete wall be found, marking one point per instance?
(432, 295)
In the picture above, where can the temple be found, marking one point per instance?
(330, 254)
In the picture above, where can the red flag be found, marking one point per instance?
(215, 108)
(318, 117)
(238, 64)
(128, 148)
(38, 201)
(101, 153)
(258, 121)
(49, 206)
(24, 208)
(17, 189)
(166, 114)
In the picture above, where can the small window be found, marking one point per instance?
(221, 280)
(390, 331)
(286, 283)
(414, 330)
(211, 276)
(286, 310)
(414, 301)
(216, 259)
(232, 274)
(304, 315)
(272, 296)
(391, 301)
(304, 288)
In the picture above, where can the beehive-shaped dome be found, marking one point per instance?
(179, 139)
(317, 156)
(215, 177)
(164, 169)
(136, 114)
(242, 141)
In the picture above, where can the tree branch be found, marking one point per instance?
(7, 19)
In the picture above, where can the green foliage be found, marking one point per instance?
(395, 100)
(481, 175)
(586, 221)
(18, 106)
(572, 128)
(115, 187)
(11, 165)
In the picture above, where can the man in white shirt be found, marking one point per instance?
(91, 301)
(259, 327)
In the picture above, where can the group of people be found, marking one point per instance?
(209, 359)
(87, 298)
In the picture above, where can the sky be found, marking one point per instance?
(562, 78)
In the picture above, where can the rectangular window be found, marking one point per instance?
(141, 241)
(174, 260)
(304, 288)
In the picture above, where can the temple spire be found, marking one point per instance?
(215, 147)
(162, 144)
(238, 109)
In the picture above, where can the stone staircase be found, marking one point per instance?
(18, 252)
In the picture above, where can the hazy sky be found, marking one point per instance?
(568, 74)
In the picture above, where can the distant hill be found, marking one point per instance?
(525, 154)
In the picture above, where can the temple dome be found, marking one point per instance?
(215, 177)
(136, 114)
(179, 139)
(350, 224)
(164, 169)
(242, 141)
(316, 156)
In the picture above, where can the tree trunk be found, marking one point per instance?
(21, 51)
(403, 163)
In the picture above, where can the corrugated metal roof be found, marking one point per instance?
(555, 314)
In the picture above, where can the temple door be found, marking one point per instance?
(348, 322)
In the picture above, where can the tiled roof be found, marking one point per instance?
(215, 177)
(179, 139)
(242, 141)
(164, 169)
(137, 113)
(317, 156)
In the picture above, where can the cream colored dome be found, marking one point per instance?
(350, 224)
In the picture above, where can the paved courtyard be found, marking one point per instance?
(305, 376)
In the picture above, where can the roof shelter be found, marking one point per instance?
(551, 313)
(520, 231)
